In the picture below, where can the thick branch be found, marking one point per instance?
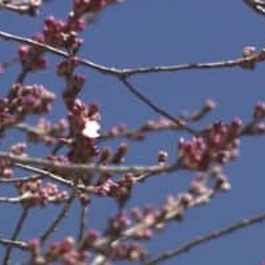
(84, 168)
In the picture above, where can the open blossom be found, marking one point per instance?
(91, 129)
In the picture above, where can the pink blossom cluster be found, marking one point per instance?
(22, 101)
(36, 193)
(47, 132)
(68, 252)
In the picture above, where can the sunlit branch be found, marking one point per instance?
(24, 9)
(13, 243)
(257, 5)
(45, 173)
(30, 129)
(83, 168)
(22, 179)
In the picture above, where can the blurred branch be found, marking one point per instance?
(175, 213)
(257, 5)
(82, 222)
(69, 183)
(58, 219)
(186, 247)
(21, 7)
(13, 243)
(21, 221)
(22, 179)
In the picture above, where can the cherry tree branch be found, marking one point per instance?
(186, 247)
(61, 53)
(22, 179)
(154, 107)
(16, 232)
(127, 72)
(58, 219)
(29, 8)
(83, 168)
(257, 5)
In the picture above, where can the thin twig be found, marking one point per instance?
(83, 222)
(16, 232)
(154, 107)
(69, 183)
(58, 219)
(186, 247)
(183, 67)
(48, 48)
(45, 173)
(22, 179)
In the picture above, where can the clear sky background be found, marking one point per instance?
(162, 32)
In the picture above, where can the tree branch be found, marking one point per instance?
(154, 107)
(127, 72)
(257, 5)
(84, 168)
(186, 247)
(58, 219)
(48, 48)
(16, 232)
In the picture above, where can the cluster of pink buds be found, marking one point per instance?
(259, 111)
(47, 132)
(65, 252)
(88, 9)
(118, 224)
(251, 56)
(162, 157)
(119, 190)
(61, 34)
(35, 193)
(147, 215)
(218, 144)
(19, 148)
(24, 100)
(130, 251)
(26, 55)
(53, 31)
(150, 218)
(84, 123)
(6, 170)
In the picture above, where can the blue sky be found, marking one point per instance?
(162, 32)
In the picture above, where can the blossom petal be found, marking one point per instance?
(91, 129)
